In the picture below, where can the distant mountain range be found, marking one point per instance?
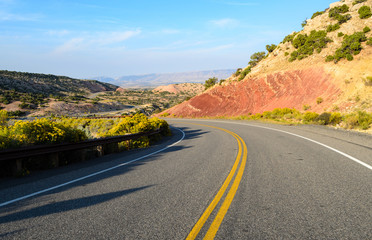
(158, 79)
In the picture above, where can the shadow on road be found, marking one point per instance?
(55, 177)
(68, 205)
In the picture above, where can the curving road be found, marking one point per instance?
(289, 182)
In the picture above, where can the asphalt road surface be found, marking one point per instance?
(211, 179)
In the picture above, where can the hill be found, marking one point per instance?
(187, 88)
(32, 95)
(41, 94)
(159, 79)
(50, 84)
(324, 67)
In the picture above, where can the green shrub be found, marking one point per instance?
(369, 42)
(294, 56)
(323, 118)
(361, 119)
(364, 120)
(306, 107)
(244, 73)
(349, 57)
(299, 41)
(366, 29)
(238, 71)
(319, 100)
(271, 48)
(305, 45)
(256, 58)
(340, 34)
(3, 118)
(290, 37)
(309, 117)
(317, 14)
(303, 24)
(358, 1)
(367, 81)
(329, 58)
(210, 82)
(335, 118)
(333, 27)
(341, 9)
(365, 12)
(166, 114)
(284, 112)
(351, 45)
(335, 14)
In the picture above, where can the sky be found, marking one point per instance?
(113, 38)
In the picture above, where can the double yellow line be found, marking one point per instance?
(213, 228)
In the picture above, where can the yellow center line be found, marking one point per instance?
(226, 204)
(212, 231)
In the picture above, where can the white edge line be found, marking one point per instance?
(93, 174)
(308, 139)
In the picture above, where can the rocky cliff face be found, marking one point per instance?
(277, 82)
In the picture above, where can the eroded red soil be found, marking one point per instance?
(291, 89)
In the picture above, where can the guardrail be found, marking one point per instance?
(54, 149)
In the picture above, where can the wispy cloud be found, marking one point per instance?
(95, 40)
(70, 45)
(114, 37)
(6, 16)
(225, 23)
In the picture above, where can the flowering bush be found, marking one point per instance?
(46, 131)
(40, 131)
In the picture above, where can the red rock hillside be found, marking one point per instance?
(289, 89)
(310, 83)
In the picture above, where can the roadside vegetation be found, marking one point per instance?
(357, 120)
(17, 134)
(44, 131)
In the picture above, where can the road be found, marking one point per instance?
(296, 182)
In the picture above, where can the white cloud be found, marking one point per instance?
(70, 45)
(114, 37)
(225, 23)
(5, 16)
(94, 40)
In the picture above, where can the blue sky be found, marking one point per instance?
(89, 38)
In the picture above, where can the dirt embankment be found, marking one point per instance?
(283, 89)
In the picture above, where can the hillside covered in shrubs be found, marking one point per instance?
(47, 84)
